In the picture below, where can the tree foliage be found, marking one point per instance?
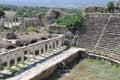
(110, 6)
(72, 22)
(2, 13)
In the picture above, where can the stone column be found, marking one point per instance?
(1, 63)
(39, 50)
(15, 61)
(48, 47)
(22, 58)
(7, 22)
(28, 55)
(60, 42)
(44, 49)
(51, 46)
(15, 21)
(5, 19)
(8, 62)
(55, 45)
(12, 24)
(33, 53)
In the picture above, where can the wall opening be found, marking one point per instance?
(53, 45)
(46, 48)
(4, 65)
(12, 62)
(37, 52)
(42, 50)
(19, 59)
(57, 43)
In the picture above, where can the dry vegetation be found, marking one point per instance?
(88, 69)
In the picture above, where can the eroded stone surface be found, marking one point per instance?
(41, 67)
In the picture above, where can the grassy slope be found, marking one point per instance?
(88, 69)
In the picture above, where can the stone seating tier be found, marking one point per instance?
(96, 25)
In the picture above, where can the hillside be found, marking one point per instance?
(54, 3)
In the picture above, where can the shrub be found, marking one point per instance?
(14, 28)
(2, 13)
(53, 32)
(72, 22)
(13, 71)
(32, 29)
(2, 28)
(110, 6)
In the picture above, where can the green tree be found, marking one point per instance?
(72, 22)
(19, 13)
(2, 13)
(110, 6)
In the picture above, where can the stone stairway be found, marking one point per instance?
(102, 33)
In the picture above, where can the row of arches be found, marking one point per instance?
(32, 53)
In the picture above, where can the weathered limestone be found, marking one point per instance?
(29, 22)
(30, 50)
(43, 70)
(101, 25)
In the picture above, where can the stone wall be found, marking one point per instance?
(22, 53)
(61, 30)
(30, 22)
(47, 72)
(91, 9)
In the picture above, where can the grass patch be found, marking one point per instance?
(88, 69)
(53, 32)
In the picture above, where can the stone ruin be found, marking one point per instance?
(32, 44)
(117, 3)
(10, 35)
(53, 14)
(29, 22)
(23, 23)
(101, 33)
(91, 9)
(13, 40)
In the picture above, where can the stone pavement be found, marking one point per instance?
(41, 65)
